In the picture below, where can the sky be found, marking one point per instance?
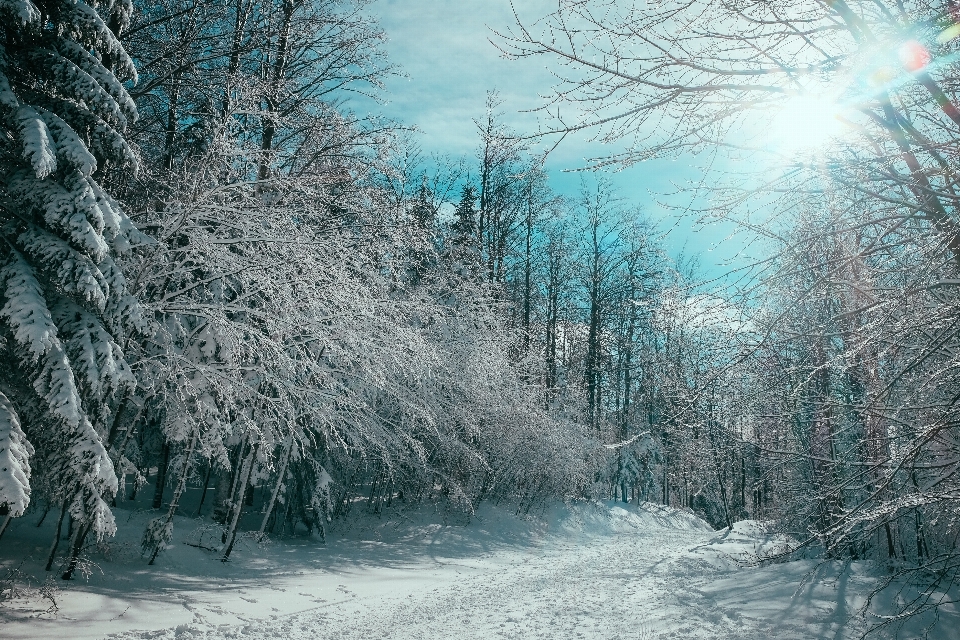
(444, 50)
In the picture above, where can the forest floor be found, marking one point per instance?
(587, 571)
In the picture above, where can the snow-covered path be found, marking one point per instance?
(600, 571)
(618, 587)
(629, 583)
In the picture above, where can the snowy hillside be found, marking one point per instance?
(582, 571)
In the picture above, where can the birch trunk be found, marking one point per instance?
(288, 449)
(231, 532)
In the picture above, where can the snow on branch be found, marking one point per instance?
(15, 453)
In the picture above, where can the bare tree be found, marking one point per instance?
(832, 131)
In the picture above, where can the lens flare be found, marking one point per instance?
(914, 56)
(883, 76)
(949, 34)
(806, 123)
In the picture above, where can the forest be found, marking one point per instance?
(218, 277)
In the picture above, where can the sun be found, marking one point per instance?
(806, 124)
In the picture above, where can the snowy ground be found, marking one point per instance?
(588, 571)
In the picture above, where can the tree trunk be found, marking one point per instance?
(527, 274)
(553, 296)
(178, 490)
(240, 21)
(288, 449)
(206, 485)
(43, 517)
(592, 359)
(133, 494)
(6, 523)
(666, 488)
(223, 504)
(221, 496)
(115, 423)
(79, 535)
(279, 69)
(721, 481)
(891, 550)
(628, 366)
(56, 536)
(166, 160)
(161, 476)
(231, 533)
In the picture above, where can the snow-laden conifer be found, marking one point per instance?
(64, 306)
(15, 452)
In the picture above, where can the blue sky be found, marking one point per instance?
(443, 48)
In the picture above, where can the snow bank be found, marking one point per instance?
(650, 515)
(496, 527)
(605, 518)
(749, 542)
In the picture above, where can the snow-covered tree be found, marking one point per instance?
(64, 306)
(15, 452)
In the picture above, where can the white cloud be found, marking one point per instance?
(704, 312)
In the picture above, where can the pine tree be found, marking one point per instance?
(423, 217)
(64, 305)
(464, 251)
(423, 212)
(464, 226)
